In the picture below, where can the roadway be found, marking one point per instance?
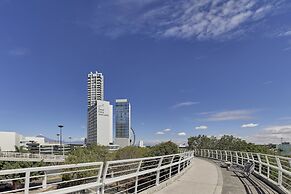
(207, 177)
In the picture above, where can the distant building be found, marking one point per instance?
(95, 85)
(8, 141)
(140, 144)
(122, 122)
(100, 122)
(28, 140)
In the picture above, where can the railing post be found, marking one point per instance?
(179, 165)
(104, 177)
(230, 156)
(225, 155)
(44, 181)
(236, 157)
(280, 174)
(216, 154)
(27, 180)
(170, 173)
(260, 164)
(99, 177)
(268, 167)
(136, 178)
(158, 171)
(220, 154)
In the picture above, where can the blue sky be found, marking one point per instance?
(193, 67)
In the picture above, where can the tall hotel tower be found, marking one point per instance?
(95, 88)
(122, 122)
(99, 126)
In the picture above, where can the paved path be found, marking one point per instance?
(203, 177)
(235, 183)
(207, 177)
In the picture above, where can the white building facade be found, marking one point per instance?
(99, 130)
(8, 141)
(95, 86)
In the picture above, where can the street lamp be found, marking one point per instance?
(61, 134)
(70, 138)
(58, 135)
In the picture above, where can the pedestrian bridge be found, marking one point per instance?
(28, 157)
(195, 172)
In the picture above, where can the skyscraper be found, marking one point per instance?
(99, 124)
(122, 122)
(95, 88)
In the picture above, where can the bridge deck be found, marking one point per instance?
(205, 177)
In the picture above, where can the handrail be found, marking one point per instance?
(16, 156)
(133, 175)
(274, 169)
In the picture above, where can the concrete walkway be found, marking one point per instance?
(203, 177)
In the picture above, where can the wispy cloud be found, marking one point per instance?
(286, 33)
(268, 82)
(160, 133)
(272, 134)
(249, 125)
(202, 127)
(182, 134)
(184, 104)
(19, 52)
(199, 19)
(241, 114)
(167, 130)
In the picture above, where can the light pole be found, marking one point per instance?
(61, 134)
(58, 135)
(70, 138)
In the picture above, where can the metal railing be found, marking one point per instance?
(275, 169)
(16, 156)
(120, 176)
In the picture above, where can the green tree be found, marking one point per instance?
(6, 165)
(92, 153)
(226, 142)
(130, 152)
(165, 148)
(202, 142)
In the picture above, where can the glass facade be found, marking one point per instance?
(122, 119)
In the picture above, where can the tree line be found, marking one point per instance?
(226, 142)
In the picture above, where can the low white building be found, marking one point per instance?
(99, 129)
(8, 140)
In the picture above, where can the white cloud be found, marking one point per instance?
(167, 130)
(250, 125)
(200, 19)
(272, 134)
(268, 82)
(160, 133)
(241, 114)
(202, 127)
(286, 33)
(19, 52)
(184, 104)
(182, 134)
